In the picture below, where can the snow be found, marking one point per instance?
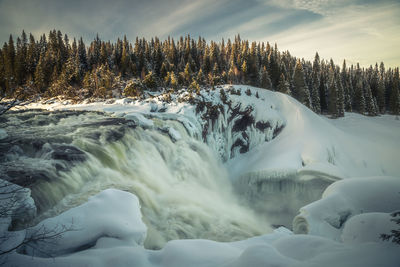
(367, 227)
(356, 155)
(139, 119)
(354, 145)
(111, 218)
(347, 198)
(108, 231)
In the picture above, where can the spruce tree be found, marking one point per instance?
(315, 82)
(394, 97)
(333, 98)
(273, 67)
(369, 101)
(322, 93)
(9, 63)
(187, 74)
(381, 95)
(32, 57)
(283, 85)
(40, 80)
(300, 89)
(359, 97)
(244, 71)
(19, 63)
(340, 99)
(2, 76)
(265, 81)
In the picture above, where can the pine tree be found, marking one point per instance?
(340, 98)
(283, 85)
(173, 80)
(20, 60)
(55, 61)
(359, 97)
(381, 95)
(315, 83)
(253, 66)
(83, 65)
(300, 90)
(200, 77)
(273, 67)
(244, 71)
(265, 81)
(323, 93)
(369, 101)
(333, 98)
(9, 63)
(347, 87)
(40, 80)
(2, 76)
(187, 74)
(149, 81)
(32, 57)
(394, 97)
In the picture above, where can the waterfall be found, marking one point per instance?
(182, 185)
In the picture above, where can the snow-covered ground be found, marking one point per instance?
(286, 157)
(107, 231)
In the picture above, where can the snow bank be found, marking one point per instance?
(367, 227)
(109, 219)
(344, 199)
(353, 146)
(110, 233)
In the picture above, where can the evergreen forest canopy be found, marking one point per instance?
(54, 65)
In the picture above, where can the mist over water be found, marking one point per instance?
(182, 186)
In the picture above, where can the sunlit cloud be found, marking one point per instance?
(358, 33)
(359, 30)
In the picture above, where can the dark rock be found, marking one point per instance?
(241, 124)
(163, 109)
(277, 131)
(263, 125)
(67, 153)
(114, 135)
(27, 176)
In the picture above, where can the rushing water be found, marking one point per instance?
(66, 156)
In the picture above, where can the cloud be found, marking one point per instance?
(359, 30)
(322, 7)
(366, 34)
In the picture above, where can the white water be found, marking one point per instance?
(183, 187)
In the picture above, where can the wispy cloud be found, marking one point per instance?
(365, 33)
(358, 30)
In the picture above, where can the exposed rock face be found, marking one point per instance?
(41, 144)
(231, 127)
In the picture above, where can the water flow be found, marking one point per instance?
(182, 186)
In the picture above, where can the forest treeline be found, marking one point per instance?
(55, 65)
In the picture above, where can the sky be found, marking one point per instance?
(363, 31)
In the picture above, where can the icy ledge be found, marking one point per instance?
(108, 231)
(352, 209)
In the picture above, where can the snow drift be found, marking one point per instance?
(109, 233)
(343, 200)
